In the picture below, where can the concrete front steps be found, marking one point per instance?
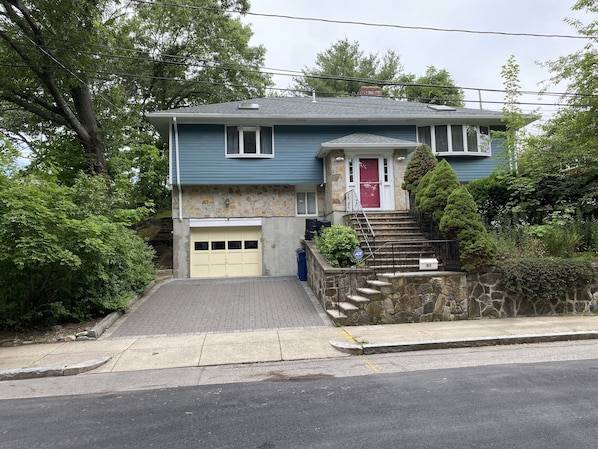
(398, 247)
(398, 244)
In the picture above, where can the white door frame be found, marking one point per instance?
(385, 171)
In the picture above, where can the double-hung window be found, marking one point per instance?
(249, 141)
(456, 139)
(307, 203)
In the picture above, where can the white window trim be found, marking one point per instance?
(466, 152)
(242, 154)
(306, 191)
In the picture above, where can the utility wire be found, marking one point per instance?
(371, 24)
(185, 61)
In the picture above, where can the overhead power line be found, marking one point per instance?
(374, 24)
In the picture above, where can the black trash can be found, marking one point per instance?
(301, 264)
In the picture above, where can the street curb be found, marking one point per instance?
(52, 371)
(381, 348)
(101, 327)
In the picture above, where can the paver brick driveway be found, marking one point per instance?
(222, 305)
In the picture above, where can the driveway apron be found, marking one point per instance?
(222, 305)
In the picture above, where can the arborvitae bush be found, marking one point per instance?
(421, 188)
(422, 161)
(441, 183)
(462, 222)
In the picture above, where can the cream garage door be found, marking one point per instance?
(226, 252)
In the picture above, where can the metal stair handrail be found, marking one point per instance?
(353, 205)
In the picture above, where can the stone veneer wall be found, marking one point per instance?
(326, 281)
(487, 299)
(244, 201)
(432, 296)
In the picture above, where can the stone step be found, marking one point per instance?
(358, 300)
(348, 308)
(378, 283)
(337, 316)
(368, 291)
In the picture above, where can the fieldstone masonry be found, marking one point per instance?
(489, 300)
(432, 296)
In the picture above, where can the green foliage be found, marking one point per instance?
(433, 196)
(343, 68)
(545, 279)
(337, 244)
(422, 161)
(84, 109)
(435, 87)
(513, 116)
(65, 253)
(462, 222)
(491, 195)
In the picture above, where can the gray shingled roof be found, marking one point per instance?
(303, 106)
(357, 139)
(364, 140)
(278, 110)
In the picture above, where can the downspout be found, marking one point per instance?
(178, 167)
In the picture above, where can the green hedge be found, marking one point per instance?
(545, 279)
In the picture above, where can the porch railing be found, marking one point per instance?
(445, 251)
(353, 206)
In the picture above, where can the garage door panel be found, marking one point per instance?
(226, 252)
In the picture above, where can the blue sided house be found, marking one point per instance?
(246, 175)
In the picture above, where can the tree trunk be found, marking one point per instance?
(93, 142)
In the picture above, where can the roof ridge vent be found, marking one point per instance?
(248, 105)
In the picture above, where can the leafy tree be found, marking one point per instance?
(433, 197)
(435, 87)
(66, 252)
(422, 161)
(343, 68)
(461, 221)
(513, 116)
(77, 98)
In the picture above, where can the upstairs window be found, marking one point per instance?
(456, 139)
(249, 141)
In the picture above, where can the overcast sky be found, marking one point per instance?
(473, 60)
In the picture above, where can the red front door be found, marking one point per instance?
(369, 183)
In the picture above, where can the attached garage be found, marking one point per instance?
(232, 249)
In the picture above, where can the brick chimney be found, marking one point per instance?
(370, 91)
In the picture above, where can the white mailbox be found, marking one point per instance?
(428, 264)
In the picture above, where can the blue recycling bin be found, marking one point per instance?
(301, 264)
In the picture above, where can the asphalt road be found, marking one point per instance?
(536, 405)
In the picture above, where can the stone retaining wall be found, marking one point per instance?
(487, 299)
(435, 296)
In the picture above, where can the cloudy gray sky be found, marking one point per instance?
(473, 60)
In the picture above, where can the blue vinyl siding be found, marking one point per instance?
(470, 168)
(203, 160)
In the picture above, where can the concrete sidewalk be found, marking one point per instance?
(193, 350)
